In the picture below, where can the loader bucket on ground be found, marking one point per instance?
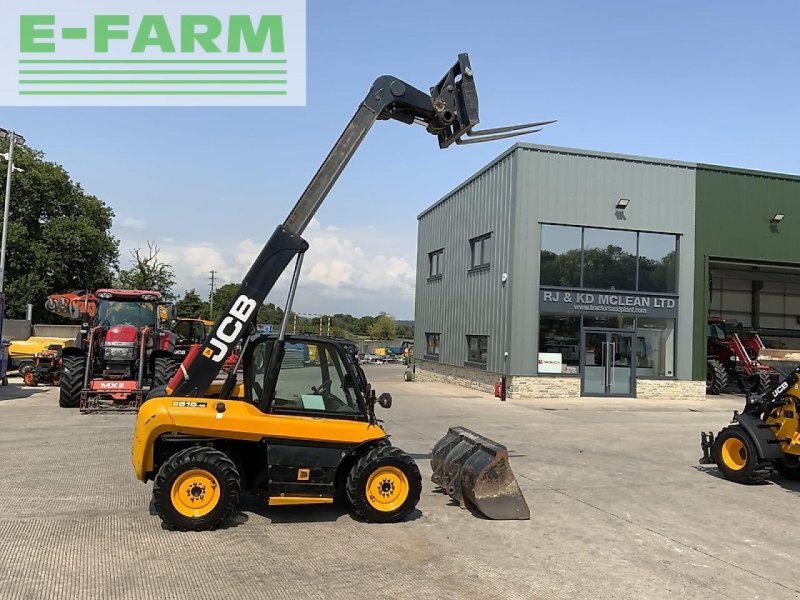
(472, 469)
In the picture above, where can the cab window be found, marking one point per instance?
(198, 332)
(312, 379)
(183, 330)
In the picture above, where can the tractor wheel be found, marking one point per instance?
(30, 379)
(763, 383)
(73, 369)
(716, 377)
(384, 485)
(789, 467)
(164, 368)
(736, 456)
(24, 365)
(196, 489)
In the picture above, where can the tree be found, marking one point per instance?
(223, 296)
(384, 328)
(59, 236)
(192, 306)
(148, 272)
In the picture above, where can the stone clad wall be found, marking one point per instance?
(520, 387)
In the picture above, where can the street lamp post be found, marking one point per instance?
(14, 139)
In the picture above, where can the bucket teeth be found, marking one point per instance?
(474, 471)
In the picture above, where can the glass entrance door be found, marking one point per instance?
(608, 363)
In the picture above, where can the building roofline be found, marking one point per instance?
(610, 156)
(467, 181)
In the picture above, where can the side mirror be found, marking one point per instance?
(385, 400)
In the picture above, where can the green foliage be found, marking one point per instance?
(384, 328)
(59, 237)
(607, 267)
(148, 272)
(223, 296)
(192, 306)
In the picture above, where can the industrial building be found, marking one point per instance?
(580, 273)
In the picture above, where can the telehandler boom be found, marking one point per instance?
(301, 428)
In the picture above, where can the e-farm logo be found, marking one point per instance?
(185, 52)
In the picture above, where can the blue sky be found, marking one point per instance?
(709, 82)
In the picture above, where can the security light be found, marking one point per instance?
(777, 218)
(6, 134)
(622, 204)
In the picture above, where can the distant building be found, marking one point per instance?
(575, 272)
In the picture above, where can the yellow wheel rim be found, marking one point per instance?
(734, 454)
(195, 493)
(387, 489)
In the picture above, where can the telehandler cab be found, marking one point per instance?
(301, 428)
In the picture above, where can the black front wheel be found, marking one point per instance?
(736, 456)
(73, 369)
(164, 368)
(197, 488)
(384, 486)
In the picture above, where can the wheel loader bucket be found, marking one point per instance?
(474, 470)
(781, 360)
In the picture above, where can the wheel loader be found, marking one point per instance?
(765, 436)
(300, 427)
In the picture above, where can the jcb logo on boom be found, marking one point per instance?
(230, 328)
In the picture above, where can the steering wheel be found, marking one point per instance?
(323, 390)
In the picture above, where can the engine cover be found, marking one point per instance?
(124, 334)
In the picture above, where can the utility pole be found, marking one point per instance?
(13, 138)
(211, 300)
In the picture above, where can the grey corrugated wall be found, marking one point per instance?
(578, 187)
(463, 303)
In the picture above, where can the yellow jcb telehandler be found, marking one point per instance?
(301, 427)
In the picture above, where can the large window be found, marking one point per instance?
(607, 259)
(560, 342)
(655, 352)
(561, 255)
(436, 263)
(480, 249)
(477, 348)
(658, 263)
(559, 336)
(432, 344)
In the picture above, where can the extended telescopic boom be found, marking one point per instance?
(449, 112)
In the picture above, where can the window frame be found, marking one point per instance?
(344, 368)
(485, 261)
(469, 360)
(637, 283)
(439, 256)
(429, 355)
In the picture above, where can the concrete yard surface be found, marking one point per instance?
(620, 508)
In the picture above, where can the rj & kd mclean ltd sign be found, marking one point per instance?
(153, 53)
(576, 301)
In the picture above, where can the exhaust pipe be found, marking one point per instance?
(474, 470)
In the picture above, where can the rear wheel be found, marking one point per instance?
(736, 456)
(73, 369)
(384, 485)
(716, 377)
(196, 489)
(164, 368)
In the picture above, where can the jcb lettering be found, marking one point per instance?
(228, 336)
(230, 328)
(219, 346)
(243, 308)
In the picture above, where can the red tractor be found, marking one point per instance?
(733, 358)
(124, 347)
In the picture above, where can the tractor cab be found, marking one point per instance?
(136, 308)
